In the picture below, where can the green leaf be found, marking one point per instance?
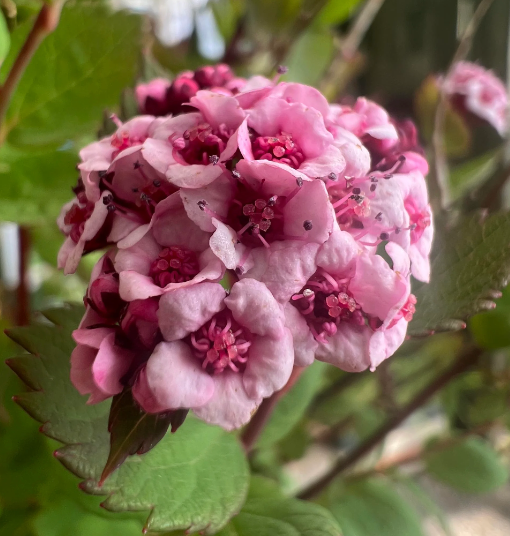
(5, 38)
(65, 517)
(133, 431)
(282, 517)
(35, 183)
(310, 56)
(470, 264)
(196, 479)
(373, 508)
(336, 12)
(77, 71)
(292, 406)
(471, 466)
(426, 502)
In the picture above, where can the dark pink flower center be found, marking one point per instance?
(122, 140)
(325, 302)
(222, 343)
(281, 148)
(420, 219)
(103, 293)
(174, 265)
(407, 311)
(202, 144)
(349, 204)
(77, 216)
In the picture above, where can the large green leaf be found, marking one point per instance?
(471, 466)
(373, 508)
(78, 70)
(35, 183)
(284, 517)
(471, 263)
(336, 12)
(292, 406)
(196, 479)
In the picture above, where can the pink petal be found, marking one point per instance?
(185, 310)
(255, 308)
(284, 268)
(269, 365)
(377, 288)
(111, 364)
(339, 253)
(311, 204)
(223, 243)
(347, 349)
(139, 257)
(158, 153)
(192, 176)
(218, 109)
(384, 343)
(218, 196)
(172, 379)
(305, 344)
(330, 161)
(230, 407)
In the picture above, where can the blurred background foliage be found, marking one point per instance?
(81, 73)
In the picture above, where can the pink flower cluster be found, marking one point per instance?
(313, 216)
(478, 91)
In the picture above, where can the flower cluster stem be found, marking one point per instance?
(462, 363)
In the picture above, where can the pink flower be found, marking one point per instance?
(387, 206)
(290, 134)
(152, 97)
(117, 192)
(365, 119)
(190, 149)
(174, 254)
(478, 91)
(221, 355)
(262, 220)
(353, 311)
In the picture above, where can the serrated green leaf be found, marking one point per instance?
(77, 71)
(471, 466)
(284, 517)
(132, 430)
(373, 508)
(470, 262)
(196, 479)
(292, 406)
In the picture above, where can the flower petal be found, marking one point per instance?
(172, 379)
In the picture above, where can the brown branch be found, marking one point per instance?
(440, 164)
(416, 453)
(255, 427)
(45, 23)
(22, 292)
(462, 363)
(342, 64)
